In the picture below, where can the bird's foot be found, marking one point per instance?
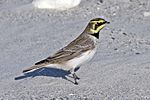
(75, 78)
(76, 83)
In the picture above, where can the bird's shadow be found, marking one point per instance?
(51, 72)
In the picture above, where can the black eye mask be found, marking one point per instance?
(97, 25)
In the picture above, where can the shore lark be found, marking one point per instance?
(79, 51)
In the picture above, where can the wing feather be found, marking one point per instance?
(74, 49)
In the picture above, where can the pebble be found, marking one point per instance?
(101, 1)
(146, 14)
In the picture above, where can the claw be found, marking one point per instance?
(76, 83)
(75, 78)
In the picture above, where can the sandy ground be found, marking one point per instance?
(120, 69)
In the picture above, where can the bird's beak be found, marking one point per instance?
(107, 22)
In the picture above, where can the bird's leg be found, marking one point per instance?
(74, 76)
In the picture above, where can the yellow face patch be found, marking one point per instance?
(97, 24)
(93, 30)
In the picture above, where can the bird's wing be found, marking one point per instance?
(70, 51)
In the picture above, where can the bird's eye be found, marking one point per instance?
(97, 24)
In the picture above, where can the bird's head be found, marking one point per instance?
(95, 25)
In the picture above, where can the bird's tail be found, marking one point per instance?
(32, 67)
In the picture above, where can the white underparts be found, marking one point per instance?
(83, 58)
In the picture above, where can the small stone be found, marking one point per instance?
(98, 8)
(137, 53)
(101, 1)
(71, 94)
(124, 33)
(113, 38)
(115, 49)
(112, 31)
(146, 14)
(114, 14)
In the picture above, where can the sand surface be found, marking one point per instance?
(120, 70)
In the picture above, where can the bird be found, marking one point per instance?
(76, 53)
